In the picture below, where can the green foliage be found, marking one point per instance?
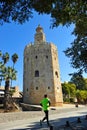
(65, 89)
(72, 100)
(15, 10)
(0, 53)
(70, 92)
(67, 100)
(69, 89)
(14, 58)
(7, 72)
(5, 57)
(79, 81)
(81, 95)
(78, 52)
(62, 12)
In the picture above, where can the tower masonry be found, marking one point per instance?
(41, 71)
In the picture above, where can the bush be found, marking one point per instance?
(66, 100)
(71, 100)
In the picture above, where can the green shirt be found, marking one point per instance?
(45, 103)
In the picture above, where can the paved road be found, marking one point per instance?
(30, 120)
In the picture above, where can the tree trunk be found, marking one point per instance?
(8, 101)
(6, 95)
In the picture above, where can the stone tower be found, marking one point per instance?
(41, 71)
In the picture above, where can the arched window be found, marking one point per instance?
(36, 88)
(48, 87)
(56, 73)
(47, 57)
(36, 57)
(36, 73)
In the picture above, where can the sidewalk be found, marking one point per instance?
(30, 120)
(79, 123)
(12, 116)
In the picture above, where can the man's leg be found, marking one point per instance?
(43, 118)
(47, 118)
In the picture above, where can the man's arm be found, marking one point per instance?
(40, 104)
(49, 103)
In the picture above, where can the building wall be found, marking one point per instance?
(15, 90)
(41, 72)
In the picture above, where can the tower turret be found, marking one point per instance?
(39, 36)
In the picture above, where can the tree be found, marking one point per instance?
(64, 12)
(14, 59)
(69, 90)
(65, 89)
(0, 68)
(15, 10)
(81, 96)
(7, 73)
(79, 81)
(78, 53)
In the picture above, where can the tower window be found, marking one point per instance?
(57, 87)
(27, 59)
(47, 57)
(56, 73)
(36, 57)
(36, 73)
(55, 58)
(36, 88)
(48, 87)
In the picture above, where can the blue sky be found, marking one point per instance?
(14, 37)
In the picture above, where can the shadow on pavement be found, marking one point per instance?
(56, 123)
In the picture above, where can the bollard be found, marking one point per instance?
(67, 124)
(78, 120)
(51, 127)
(76, 105)
(86, 117)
